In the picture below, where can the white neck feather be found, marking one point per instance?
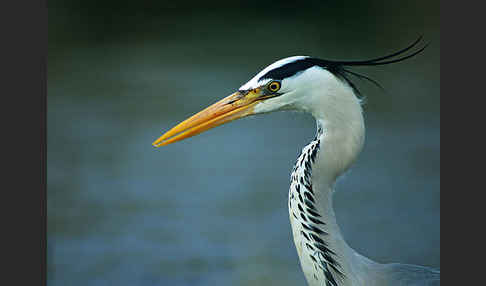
(340, 135)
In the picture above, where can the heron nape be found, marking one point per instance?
(324, 89)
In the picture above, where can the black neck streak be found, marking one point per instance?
(313, 228)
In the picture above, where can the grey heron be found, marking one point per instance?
(322, 88)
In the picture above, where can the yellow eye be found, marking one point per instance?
(274, 86)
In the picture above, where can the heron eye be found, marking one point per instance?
(274, 86)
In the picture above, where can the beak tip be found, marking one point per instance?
(156, 144)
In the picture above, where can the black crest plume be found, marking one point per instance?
(338, 67)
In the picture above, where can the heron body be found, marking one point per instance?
(323, 89)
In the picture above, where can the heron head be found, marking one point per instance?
(282, 85)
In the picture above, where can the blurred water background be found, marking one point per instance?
(212, 210)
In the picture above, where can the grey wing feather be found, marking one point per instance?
(411, 275)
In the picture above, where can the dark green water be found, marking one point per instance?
(212, 210)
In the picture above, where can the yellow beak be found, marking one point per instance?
(235, 106)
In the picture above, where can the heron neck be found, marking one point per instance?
(323, 252)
